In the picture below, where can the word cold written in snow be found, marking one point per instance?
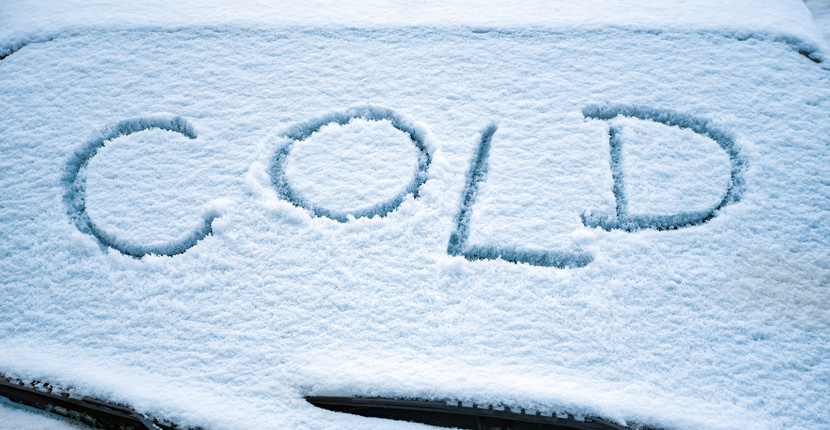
(624, 217)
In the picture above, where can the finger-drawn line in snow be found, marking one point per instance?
(369, 113)
(628, 222)
(14, 47)
(11, 50)
(459, 237)
(74, 182)
(810, 56)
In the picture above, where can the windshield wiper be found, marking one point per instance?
(110, 416)
(87, 410)
(456, 415)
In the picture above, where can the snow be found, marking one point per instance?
(821, 16)
(784, 20)
(138, 130)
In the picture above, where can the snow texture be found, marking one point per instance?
(787, 21)
(181, 232)
(821, 16)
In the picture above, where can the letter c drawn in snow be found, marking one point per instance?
(74, 182)
(623, 219)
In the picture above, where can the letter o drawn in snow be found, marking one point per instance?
(624, 219)
(74, 182)
(305, 130)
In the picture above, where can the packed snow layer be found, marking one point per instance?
(789, 21)
(722, 323)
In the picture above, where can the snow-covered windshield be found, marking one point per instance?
(209, 213)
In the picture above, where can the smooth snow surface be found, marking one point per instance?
(665, 193)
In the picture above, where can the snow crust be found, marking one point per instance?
(717, 324)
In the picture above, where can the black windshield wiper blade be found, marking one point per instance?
(89, 411)
(456, 415)
(109, 416)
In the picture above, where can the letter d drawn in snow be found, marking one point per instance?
(693, 182)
